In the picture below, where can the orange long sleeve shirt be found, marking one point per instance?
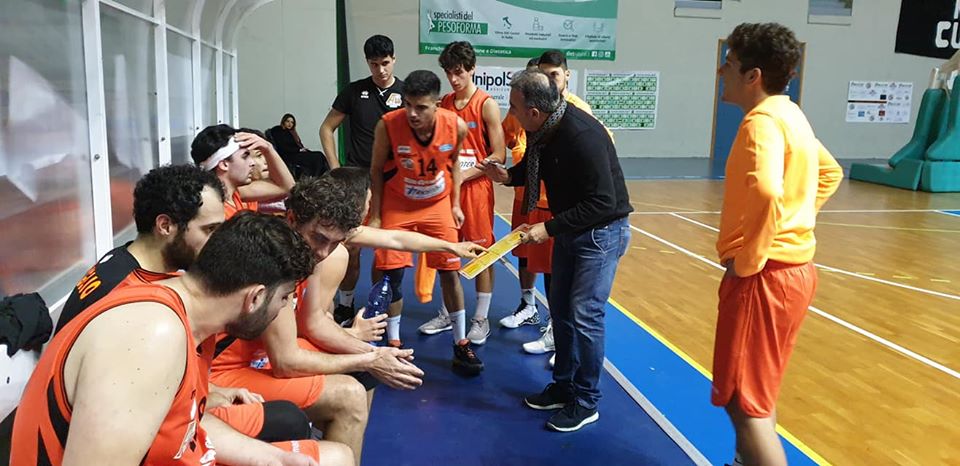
(778, 175)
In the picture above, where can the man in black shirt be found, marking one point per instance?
(176, 208)
(364, 101)
(571, 152)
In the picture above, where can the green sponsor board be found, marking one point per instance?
(583, 29)
(623, 100)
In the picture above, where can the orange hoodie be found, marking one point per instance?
(778, 175)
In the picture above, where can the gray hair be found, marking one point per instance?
(538, 90)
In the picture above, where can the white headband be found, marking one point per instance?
(220, 155)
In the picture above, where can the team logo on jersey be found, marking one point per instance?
(394, 100)
(446, 148)
(403, 150)
(472, 124)
(407, 163)
(364, 95)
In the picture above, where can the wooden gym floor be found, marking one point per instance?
(874, 378)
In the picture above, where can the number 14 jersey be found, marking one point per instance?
(415, 171)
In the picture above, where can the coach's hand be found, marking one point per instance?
(467, 250)
(494, 170)
(535, 234)
(368, 329)
(457, 216)
(393, 367)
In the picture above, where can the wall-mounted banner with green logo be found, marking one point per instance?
(583, 29)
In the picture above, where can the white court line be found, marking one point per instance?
(668, 428)
(846, 272)
(889, 344)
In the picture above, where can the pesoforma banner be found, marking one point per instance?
(583, 29)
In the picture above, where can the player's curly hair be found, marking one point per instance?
(336, 199)
(771, 47)
(172, 190)
(459, 53)
(250, 249)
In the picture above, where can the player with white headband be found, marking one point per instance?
(226, 151)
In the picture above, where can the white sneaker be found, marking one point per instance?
(553, 359)
(542, 345)
(440, 323)
(526, 314)
(479, 331)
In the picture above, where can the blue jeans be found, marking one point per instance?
(584, 265)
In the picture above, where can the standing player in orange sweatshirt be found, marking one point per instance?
(778, 176)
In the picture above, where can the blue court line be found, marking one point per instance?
(955, 213)
(675, 384)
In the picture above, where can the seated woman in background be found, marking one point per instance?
(301, 160)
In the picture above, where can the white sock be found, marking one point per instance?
(393, 328)
(443, 309)
(346, 298)
(483, 305)
(459, 321)
(528, 298)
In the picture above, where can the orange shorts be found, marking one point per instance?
(757, 325)
(246, 418)
(431, 219)
(302, 391)
(476, 201)
(539, 256)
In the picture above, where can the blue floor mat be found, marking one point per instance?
(482, 420)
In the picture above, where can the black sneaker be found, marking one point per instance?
(465, 360)
(572, 417)
(555, 396)
(344, 315)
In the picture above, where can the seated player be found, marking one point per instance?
(124, 382)
(228, 153)
(176, 208)
(327, 211)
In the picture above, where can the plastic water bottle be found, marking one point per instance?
(379, 300)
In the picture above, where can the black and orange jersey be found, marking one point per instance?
(103, 277)
(42, 424)
(415, 171)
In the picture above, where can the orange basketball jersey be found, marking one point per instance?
(43, 419)
(233, 353)
(476, 146)
(229, 210)
(419, 172)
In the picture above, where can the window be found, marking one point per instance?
(830, 12)
(697, 8)
(180, 84)
(129, 84)
(46, 204)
